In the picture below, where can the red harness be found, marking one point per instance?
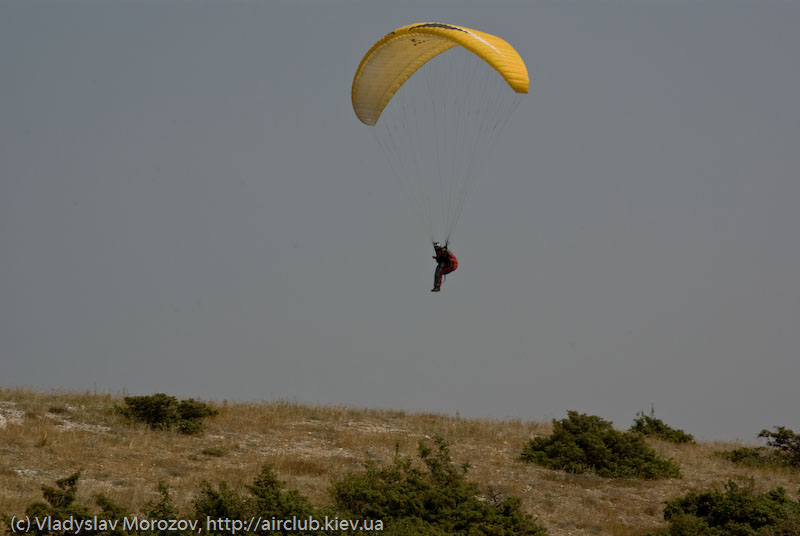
(451, 265)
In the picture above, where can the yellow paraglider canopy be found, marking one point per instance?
(398, 55)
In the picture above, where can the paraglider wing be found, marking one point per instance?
(393, 59)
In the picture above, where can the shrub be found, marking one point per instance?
(432, 500)
(163, 412)
(582, 443)
(648, 425)
(738, 511)
(222, 502)
(265, 498)
(270, 499)
(163, 508)
(749, 456)
(783, 450)
(60, 505)
(786, 443)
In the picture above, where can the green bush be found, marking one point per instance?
(582, 443)
(265, 498)
(738, 511)
(220, 502)
(163, 508)
(786, 444)
(749, 456)
(648, 425)
(783, 450)
(60, 505)
(107, 518)
(433, 500)
(164, 412)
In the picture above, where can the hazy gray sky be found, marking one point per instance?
(189, 205)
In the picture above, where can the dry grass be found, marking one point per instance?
(44, 437)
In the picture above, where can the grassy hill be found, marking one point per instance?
(47, 436)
